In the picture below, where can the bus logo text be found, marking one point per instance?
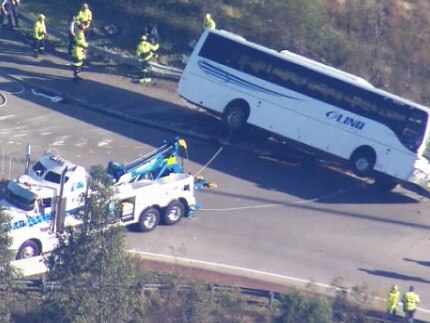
(343, 119)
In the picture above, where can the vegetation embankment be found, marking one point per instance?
(383, 41)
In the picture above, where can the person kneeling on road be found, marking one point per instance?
(79, 52)
(145, 52)
(39, 35)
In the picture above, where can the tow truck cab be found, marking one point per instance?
(31, 202)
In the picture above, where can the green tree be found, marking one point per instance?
(94, 277)
(7, 272)
(299, 306)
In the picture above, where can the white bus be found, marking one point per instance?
(311, 104)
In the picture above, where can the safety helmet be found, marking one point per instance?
(208, 16)
(143, 37)
(41, 17)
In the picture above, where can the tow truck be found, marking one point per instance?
(154, 165)
(150, 190)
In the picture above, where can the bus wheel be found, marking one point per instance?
(363, 161)
(235, 116)
(149, 219)
(174, 212)
(28, 249)
(384, 183)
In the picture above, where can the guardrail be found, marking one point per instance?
(41, 286)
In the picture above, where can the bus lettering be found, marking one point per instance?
(348, 121)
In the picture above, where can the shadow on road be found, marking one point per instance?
(419, 262)
(395, 276)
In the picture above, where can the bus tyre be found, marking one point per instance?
(363, 161)
(149, 219)
(28, 249)
(384, 183)
(174, 212)
(235, 117)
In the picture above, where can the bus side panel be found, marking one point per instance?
(295, 116)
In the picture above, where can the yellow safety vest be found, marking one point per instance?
(209, 23)
(80, 39)
(39, 30)
(145, 50)
(392, 300)
(411, 300)
(84, 17)
(78, 55)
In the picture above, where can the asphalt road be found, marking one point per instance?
(277, 217)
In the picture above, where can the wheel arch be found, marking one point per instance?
(186, 205)
(239, 102)
(36, 241)
(363, 161)
(364, 149)
(33, 240)
(155, 206)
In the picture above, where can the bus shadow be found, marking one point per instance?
(307, 176)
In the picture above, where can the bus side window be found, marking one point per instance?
(247, 68)
(348, 102)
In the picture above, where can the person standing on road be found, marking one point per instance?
(410, 300)
(39, 35)
(144, 53)
(72, 34)
(85, 16)
(392, 301)
(79, 52)
(7, 9)
(15, 14)
(208, 22)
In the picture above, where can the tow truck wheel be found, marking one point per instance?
(28, 249)
(149, 219)
(174, 212)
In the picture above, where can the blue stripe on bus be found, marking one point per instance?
(227, 77)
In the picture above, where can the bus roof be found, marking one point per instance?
(332, 71)
(322, 68)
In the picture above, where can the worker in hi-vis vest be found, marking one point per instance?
(410, 300)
